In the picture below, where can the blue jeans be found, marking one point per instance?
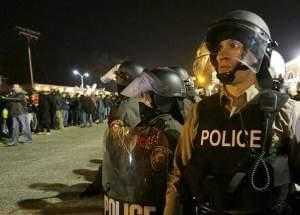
(101, 116)
(21, 120)
(66, 117)
(86, 118)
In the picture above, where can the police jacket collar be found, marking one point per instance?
(237, 104)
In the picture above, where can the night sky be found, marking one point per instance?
(92, 36)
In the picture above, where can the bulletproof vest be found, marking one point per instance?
(221, 149)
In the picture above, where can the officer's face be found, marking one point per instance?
(228, 56)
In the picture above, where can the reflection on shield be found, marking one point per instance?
(159, 157)
(155, 143)
(121, 137)
(135, 165)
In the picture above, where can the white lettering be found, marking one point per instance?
(117, 208)
(106, 207)
(255, 135)
(233, 138)
(149, 209)
(126, 210)
(135, 209)
(216, 143)
(238, 138)
(113, 207)
(112, 210)
(204, 136)
(224, 140)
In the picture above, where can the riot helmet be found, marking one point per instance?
(169, 99)
(188, 82)
(163, 85)
(243, 37)
(162, 81)
(126, 73)
(183, 74)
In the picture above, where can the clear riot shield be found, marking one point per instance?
(135, 169)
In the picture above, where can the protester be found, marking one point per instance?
(19, 114)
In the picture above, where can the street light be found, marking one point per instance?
(75, 72)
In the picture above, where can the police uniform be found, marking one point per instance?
(164, 121)
(127, 110)
(212, 148)
(138, 159)
(155, 186)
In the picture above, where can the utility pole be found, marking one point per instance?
(29, 34)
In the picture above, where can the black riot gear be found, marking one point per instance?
(165, 88)
(126, 73)
(162, 81)
(137, 160)
(169, 82)
(183, 74)
(169, 97)
(240, 25)
(188, 82)
(236, 153)
(124, 110)
(252, 31)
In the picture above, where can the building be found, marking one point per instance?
(292, 75)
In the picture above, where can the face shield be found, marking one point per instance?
(234, 47)
(139, 86)
(150, 82)
(110, 75)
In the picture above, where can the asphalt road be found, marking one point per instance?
(47, 176)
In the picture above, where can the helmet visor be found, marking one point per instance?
(149, 82)
(142, 84)
(234, 46)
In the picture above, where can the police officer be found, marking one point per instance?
(144, 181)
(188, 82)
(124, 109)
(239, 150)
(160, 88)
(185, 104)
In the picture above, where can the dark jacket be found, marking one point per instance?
(44, 106)
(18, 104)
(86, 104)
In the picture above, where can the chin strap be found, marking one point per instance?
(228, 77)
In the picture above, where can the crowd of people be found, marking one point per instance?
(41, 112)
(167, 151)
